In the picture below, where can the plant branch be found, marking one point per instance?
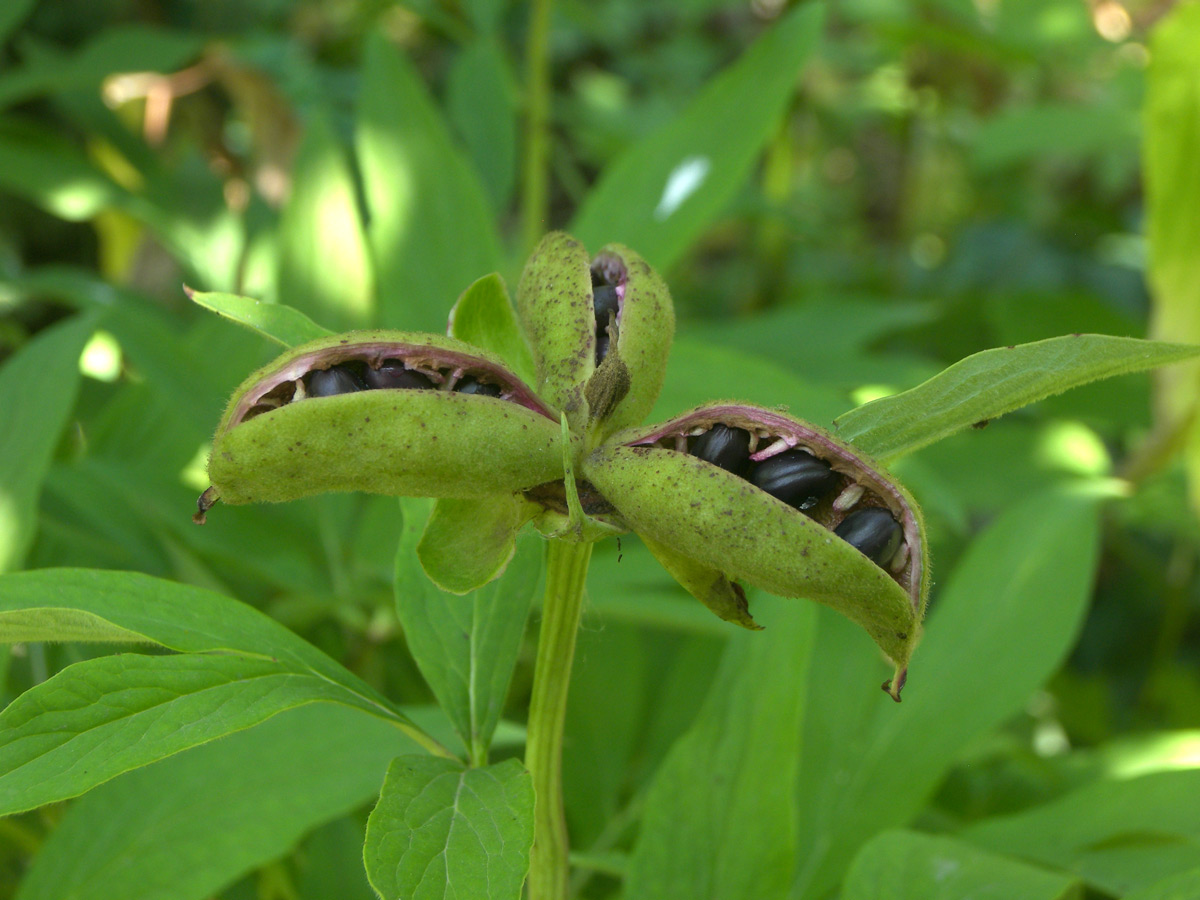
(566, 573)
(534, 191)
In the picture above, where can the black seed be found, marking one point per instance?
(471, 385)
(723, 446)
(797, 478)
(336, 380)
(393, 374)
(873, 532)
(604, 301)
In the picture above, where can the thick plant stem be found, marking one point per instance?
(566, 572)
(534, 192)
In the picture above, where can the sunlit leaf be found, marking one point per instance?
(280, 323)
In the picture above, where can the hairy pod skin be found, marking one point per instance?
(435, 442)
(723, 521)
(598, 358)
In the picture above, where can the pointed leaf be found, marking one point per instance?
(466, 645)
(190, 825)
(994, 382)
(1000, 627)
(280, 323)
(719, 819)
(324, 264)
(38, 383)
(430, 225)
(1119, 835)
(659, 195)
(907, 865)
(484, 316)
(467, 543)
(441, 830)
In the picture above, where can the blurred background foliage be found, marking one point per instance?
(947, 176)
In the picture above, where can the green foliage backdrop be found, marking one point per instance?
(970, 213)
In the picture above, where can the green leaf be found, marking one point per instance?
(50, 604)
(441, 830)
(190, 825)
(324, 264)
(467, 543)
(1170, 147)
(282, 324)
(39, 384)
(907, 865)
(1184, 886)
(484, 316)
(429, 228)
(719, 816)
(1003, 623)
(1119, 835)
(11, 15)
(50, 172)
(994, 382)
(481, 100)
(466, 645)
(116, 713)
(116, 48)
(660, 195)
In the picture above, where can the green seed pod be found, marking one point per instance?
(278, 442)
(720, 519)
(600, 330)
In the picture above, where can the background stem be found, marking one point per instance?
(534, 192)
(566, 573)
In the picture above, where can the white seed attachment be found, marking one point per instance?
(847, 498)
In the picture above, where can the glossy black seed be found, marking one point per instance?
(471, 385)
(604, 301)
(873, 532)
(336, 380)
(723, 446)
(393, 374)
(797, 478)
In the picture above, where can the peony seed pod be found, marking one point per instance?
(450, 421)
(600, 330)
(875, 573)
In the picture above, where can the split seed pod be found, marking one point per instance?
(718, 521)
(600, 330)
(476, 430)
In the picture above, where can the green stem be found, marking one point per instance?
(566, 572)
(534, 191)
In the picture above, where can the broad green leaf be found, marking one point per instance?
(330, 863)
(190, 825)
(481, 100)
(38, 383)
(1171, 143)
(11, 15)
(665, 190)
(282, 324)
(52, 173)
(430, 228)
(50, 604)
(1118, 835)
(719, 819)
(484, 316)
(116, 48)
(1005, 620)
(441, 830)
(994, 382)
(324, 264)
(908, 865)
(108, 715)
(465, 645)
(467, 543)
(1184, 886)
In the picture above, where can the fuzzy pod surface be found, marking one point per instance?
(722, 521)
(275, 443)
